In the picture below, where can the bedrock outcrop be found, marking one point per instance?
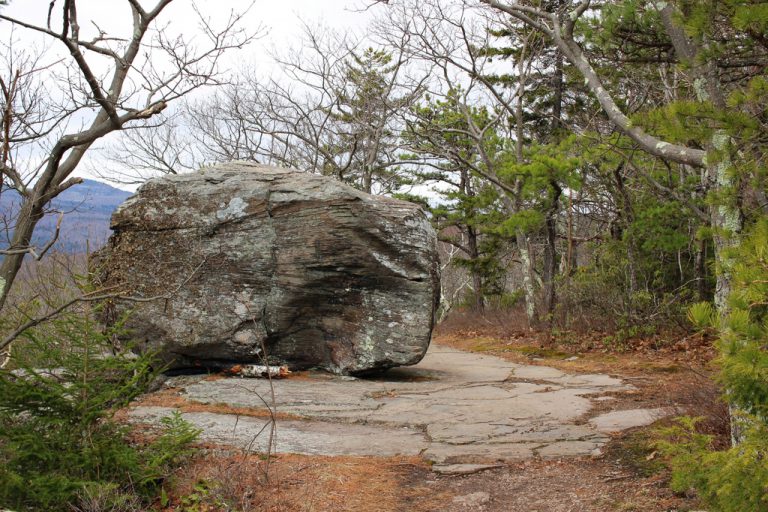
(244, 260)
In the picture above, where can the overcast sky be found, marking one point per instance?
(281, 22)
(281, 19)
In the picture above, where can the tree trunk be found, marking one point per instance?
(627, 217)
(550, 250)
(29, 215)
(700, 270)
(727, 221)
(557, 86)
(477, 278)
(529, 286)
(367, 180)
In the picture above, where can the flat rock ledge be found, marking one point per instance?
(462, 412)
(247, 261)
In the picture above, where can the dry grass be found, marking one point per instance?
(171, 397)
(567, 485)
(298, 483)
(673, 373)
(493, 322)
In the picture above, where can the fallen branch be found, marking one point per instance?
(259, 370)
(616, 478)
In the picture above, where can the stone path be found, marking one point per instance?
(459, 410)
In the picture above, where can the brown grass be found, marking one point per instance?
(171, 397)
(311, 484)
(670, 372)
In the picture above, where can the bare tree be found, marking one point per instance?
(452, 38)
(337, 109)
(109, 84)
(148, 149)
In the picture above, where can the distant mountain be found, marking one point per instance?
(87, 210)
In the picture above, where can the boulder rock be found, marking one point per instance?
(244, 259)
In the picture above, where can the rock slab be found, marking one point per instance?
(248, 259)
(463, 412)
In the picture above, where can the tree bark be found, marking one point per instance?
(477, 278)
(550, 250)
(529, 286)
(29, 215)
(700, 269)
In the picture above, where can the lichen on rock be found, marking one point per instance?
(315, 272)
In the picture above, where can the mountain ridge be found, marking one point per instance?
(87, 209)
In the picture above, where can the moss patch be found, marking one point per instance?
(544, 353)
(635, 451)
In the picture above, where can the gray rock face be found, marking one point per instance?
(252, 257)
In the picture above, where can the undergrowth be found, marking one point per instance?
(61, 448)
(734, 479)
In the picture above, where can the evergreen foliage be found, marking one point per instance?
(365, 110)
(59, 440)
(744, 329)
(466, 208)
(734, 480)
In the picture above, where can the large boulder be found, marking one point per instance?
(244, 259)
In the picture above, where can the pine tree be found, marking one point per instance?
(366, 110)
(438, 135)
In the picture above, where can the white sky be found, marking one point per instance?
(281, 20)
(282, 17)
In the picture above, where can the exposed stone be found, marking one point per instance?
(617, 421)
(305, 437)
(250, 257)
(453, 408)
(473, 501)
(463, 469)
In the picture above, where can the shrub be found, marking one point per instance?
(600, 294)
(60, 445)
(734, 479)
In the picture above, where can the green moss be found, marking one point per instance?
(544, 353)
(636, 451)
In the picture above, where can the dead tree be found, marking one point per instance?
(111, 83)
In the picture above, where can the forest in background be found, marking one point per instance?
(585, 198)
(598, 165)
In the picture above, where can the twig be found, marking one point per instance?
(46, 247)
(95, 296)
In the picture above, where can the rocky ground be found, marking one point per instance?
(498, 431)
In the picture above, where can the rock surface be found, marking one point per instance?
(463, 412)
(250, 257)
(617, 421)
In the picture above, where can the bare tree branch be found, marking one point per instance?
(38, 122)
(563, 37)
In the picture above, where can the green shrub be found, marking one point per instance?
(601, 292)
(60, 445)
(734, 479)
